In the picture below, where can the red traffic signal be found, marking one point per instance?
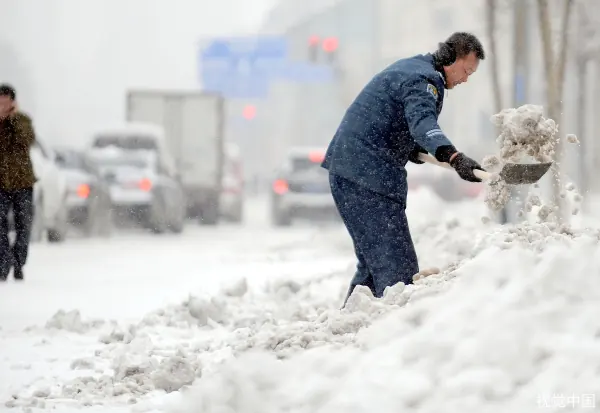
(313, 40)
(249, 112)
(330, 44)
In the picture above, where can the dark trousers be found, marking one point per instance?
(379, 229)
(21, 203)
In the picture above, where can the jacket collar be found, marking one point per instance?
(438, 68)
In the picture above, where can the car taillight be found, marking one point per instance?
(238, 171)
(316, 156)
(145, 185)
(83, 191)
(280, 186)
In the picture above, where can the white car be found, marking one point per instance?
(50, 193)
(140, 188)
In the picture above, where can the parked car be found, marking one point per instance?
(301, 188)
(141, 187)
(50, 193)
(231, 203)
(88, 198)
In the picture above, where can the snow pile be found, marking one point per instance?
(71, 321)
(524, 132)
(172, 347)
(514, 329)
(485, 329)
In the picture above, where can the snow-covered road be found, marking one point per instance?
(130, 275)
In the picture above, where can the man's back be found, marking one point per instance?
(373, 142)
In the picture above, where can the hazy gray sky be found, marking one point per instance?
(72, 60)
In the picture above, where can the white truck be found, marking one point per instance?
(193, 123)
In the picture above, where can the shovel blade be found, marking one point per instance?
(524, 174)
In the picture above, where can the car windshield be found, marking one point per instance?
(126, 142)
(300, 165)
(70, 160)
(124, 161)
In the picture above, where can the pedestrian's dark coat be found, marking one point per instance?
(397, 108)
(16, 138)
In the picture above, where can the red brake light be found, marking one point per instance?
(145, 185)
(316, 157)
(83, 191)
(280, 186)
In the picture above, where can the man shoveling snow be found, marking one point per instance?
(391, 122)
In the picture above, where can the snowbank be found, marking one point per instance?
(510, 318)
(513, 329)
(513, 326)
(171, 347)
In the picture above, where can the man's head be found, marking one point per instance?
(7, 100)
(459, 56)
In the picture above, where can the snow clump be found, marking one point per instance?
(524, 132)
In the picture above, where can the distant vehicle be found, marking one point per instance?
(193, 128)
(138, 169)
(88, 196)
(301, 188)
(232, 193)
(50, 194)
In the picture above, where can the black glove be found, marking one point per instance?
(414, 154)
(464, 166)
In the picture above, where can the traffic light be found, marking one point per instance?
(330, 47)
(313, 48)
(249, 112)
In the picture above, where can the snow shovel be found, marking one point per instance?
(511, 173)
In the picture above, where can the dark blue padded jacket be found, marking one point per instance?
(397, 110)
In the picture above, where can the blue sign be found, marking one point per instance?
(229, 65)
(307, 73)
(243, 67)
(264, 47)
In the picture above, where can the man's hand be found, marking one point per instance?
(414, 154)
(14, 110)
(464, 166)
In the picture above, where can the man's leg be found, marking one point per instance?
(23, 211)
(5, 255)
(379, 229)
(342, 196)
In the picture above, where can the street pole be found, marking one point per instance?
(582, 64)
(520, 76)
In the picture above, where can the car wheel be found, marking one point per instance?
(238, 213)
(210, 213)
(55, 236)
(37, 225)
(282, 219)
(179, 222)
(158, 222)
(59, 233)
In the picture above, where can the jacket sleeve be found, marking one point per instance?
(24, 135)
(419, 98)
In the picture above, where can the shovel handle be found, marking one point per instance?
(483, 175)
